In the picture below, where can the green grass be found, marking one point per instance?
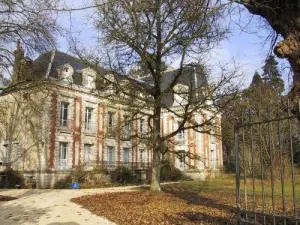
(225, 185)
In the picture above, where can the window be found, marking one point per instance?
(88, 118)
(16, 155)
(212, 134)
(180, 134)
(62, 156)
(142, 124)
(4, 154)
(64, 114)
(126, 156)
(110, 121)
(213, 158)
(110, 157)
(87, 153)
(142, 157)
(127, 131)
(90, 81)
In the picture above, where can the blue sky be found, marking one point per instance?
(246, 48)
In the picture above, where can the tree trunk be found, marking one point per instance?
(284, 17)
(156, 163)
(155, 176)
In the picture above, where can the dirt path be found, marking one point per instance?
(50, 207)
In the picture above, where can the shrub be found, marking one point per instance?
(78, 174)
(123, 175)
(176, 174)
(169, 173)
(63, 183)
(99, 176)
(99, 169)
(95, 178)
(13, 178)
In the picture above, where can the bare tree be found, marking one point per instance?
(30, 21)
(147, 35)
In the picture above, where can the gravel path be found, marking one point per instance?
(50, 207)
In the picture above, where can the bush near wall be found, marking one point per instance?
(123, 175)
(169, 173)
(13, 178)
(98, 177)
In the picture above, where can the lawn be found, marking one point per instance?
(190, 202)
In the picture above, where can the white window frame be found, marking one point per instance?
(212, 133)
(64, 114)
(127, 127)
(111, 157)
(4, 153)
(213, 158)
(142, 126)
(88, 153)
(16, 155)
(88, 118)
(180, 134)
(126, 156)
(90, 81)
(110, 121)
(142, 157)
(63, 155)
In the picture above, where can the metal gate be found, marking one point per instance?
(267, 152)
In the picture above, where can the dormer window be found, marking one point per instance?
(90, 82)
(88, 78)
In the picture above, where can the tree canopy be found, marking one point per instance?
(31, 22)
(272, 75)
(150, 34)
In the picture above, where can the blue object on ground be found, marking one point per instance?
(75, 185)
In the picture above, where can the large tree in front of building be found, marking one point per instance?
(284, 18)
(153, 33)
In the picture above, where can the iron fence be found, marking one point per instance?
(267, 150)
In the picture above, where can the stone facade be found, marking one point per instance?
(49, 128)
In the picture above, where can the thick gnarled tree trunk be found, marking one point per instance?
(284, 17)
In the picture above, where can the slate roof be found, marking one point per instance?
(192, 76)
(60, 58)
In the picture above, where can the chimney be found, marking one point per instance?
(18, 64)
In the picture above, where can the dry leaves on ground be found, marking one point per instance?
(6, 198)
(175, 206)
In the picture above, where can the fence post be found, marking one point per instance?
(237, 174)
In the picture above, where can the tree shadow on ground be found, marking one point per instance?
(30, 192)
(12, 213)
(190, 217)
(65, 223)
(192, 197)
